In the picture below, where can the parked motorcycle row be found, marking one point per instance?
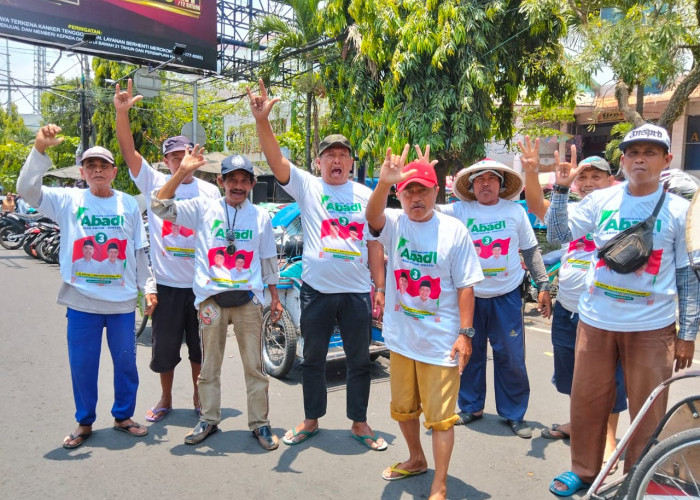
(38, 235)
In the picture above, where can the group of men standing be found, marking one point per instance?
(450, 287)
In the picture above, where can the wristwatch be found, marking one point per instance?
(380, 289)
(469, 332)
(560, 189)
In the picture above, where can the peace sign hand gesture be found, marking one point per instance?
(392, 168)
(261, 105)
(567, 171)
(425, 158)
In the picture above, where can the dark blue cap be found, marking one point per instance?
(236, 162)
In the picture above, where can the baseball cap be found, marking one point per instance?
(97, 152)
(236, 162)
(596, 162)
(177, 143)
(647, 133)
(424, 175)
(334, 140)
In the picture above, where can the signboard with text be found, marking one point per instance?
(133, 29)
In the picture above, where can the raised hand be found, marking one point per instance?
(567, 171)
(261, 105)
(193, 159)
(425, 158)
(46, 137)
(530, 155)
(392, 168)
(125, 100)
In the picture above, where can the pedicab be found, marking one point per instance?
(283, 340)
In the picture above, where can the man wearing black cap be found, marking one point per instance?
(335, 274)
(623, 317)
(173, 265)
(232, 235)
(89, 219)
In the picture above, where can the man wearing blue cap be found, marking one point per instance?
(235, 237)
(173, 261)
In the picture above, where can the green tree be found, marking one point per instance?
(446, 73)
(15, 144)
(638, 41)
(283, 38)
(61, 105)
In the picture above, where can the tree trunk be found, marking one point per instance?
(640, 100)
(679, 99)
(444, 167)
(307, 141)
(317, 139)
(622, 95)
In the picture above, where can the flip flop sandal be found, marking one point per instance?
(127, 429)
(547, 433)
(402, 474)
(375, 438)
(159, 413)
(307, 435)
(83, 436)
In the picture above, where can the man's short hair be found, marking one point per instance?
(220, 252)
(112, 246)
(425, 283)
(403, 275)
(497, 245)
(240, 256)
(88, 243)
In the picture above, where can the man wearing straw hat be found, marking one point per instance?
(501, 228)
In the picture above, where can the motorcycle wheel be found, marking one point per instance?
(10, 238)
(279, 344)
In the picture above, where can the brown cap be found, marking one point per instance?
(334, 140)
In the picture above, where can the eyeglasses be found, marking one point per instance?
(230, 233)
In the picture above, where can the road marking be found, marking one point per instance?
(538, 329)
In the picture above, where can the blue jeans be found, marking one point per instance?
(319, 312)
(84, 345)
(498, 320)
(564, 325)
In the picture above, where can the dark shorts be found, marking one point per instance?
(173, 318)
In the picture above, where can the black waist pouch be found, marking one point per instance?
(233, 298)
(631, 249)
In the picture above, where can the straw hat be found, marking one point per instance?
(512, 183)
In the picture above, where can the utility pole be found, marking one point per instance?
(9, 87)
(39, 75)
(84, 111)
(195, 117)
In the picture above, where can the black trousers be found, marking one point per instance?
(319, 313)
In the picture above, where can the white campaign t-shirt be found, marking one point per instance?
(428, 262)
(642, 300)
(575, 262)
(215, 269)
(89, 225)
(498, 232)
(333, 261)
(172, 249)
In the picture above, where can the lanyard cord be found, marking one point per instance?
(235, 214)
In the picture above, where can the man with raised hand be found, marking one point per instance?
(92, 219)
(502, 228)
(226, 229)
(336, 276)
(575, 262)
(173, 265)
(427, 356)
(622, 317)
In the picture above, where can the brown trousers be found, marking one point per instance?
(647, 360)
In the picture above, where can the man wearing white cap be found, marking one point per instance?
(91, 221)
(501, 228)
(575, 262)
(172, 257)
(623, 317)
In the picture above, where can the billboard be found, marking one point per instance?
(131, 29)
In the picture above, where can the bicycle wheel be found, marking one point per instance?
(279, 342)
(671, 469)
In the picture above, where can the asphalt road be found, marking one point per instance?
(488, 461)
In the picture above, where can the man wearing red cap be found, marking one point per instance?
(432, 259)
(92, 221)
(172, 258)
(335, 273)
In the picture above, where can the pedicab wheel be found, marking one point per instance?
(671, 469)
(279, 340)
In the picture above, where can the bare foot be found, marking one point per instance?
(438, 492)
(363, 429)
